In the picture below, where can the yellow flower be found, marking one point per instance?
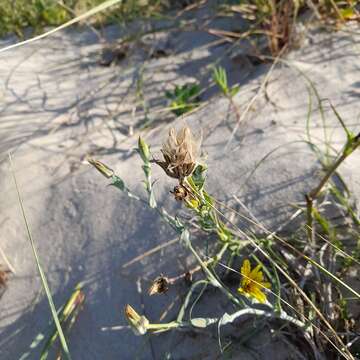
(252, 283)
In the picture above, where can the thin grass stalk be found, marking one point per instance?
(41, 271)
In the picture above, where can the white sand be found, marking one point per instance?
(57, 105)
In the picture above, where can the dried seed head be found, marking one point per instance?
(180, 152)
(159, 286)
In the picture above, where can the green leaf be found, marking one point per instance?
(220, 78)
(208, 199)
(322, 221)
(117, 182)
(183, 98)
(198, 176)
(234, 90)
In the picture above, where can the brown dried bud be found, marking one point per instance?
(188, 277)
(101, 167)
(180, 152)
(179, 192)
(137, 322)
(159, 286)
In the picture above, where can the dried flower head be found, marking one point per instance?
(180, 152)
(159, 286)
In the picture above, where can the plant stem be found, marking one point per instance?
(213, 280)
(166, 326)
(349, 148)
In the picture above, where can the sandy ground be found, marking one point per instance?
(58, 105)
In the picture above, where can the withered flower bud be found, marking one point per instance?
(101, 167)
(137, 322)
(188, 278)
(180, 152)
(159, 286)
(179, 192)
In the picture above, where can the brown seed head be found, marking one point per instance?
(180, 152)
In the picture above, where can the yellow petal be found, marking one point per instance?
(245, 269)
(256, 273)
(266, 285)
(258, 277)
(258, 294)
(241, 290)
(245, 282)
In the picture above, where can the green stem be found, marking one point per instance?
(349, 148)
(166, 326)
(214, 281)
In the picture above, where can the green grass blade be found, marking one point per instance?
(41, 271)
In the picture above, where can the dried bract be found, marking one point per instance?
(180, 152)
